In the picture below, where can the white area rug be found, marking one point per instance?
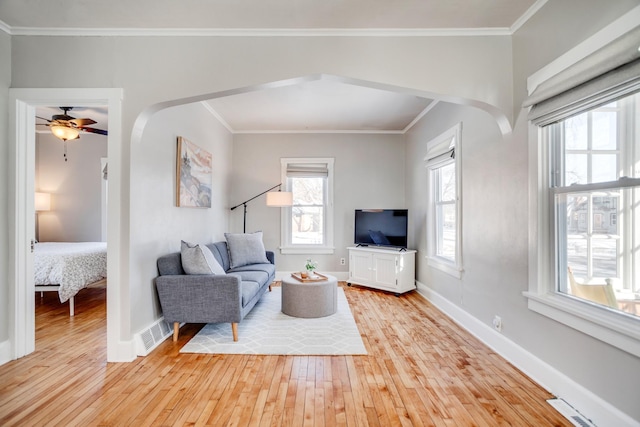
(266, 330)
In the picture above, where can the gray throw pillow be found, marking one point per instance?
(198, 259)
(245, 249)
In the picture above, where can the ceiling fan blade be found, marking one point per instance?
(83, 122)
(94, 130)
(42, 118)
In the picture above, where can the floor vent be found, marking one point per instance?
(569, 413)
(151, 337)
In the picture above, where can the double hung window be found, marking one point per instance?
(587, 121)
(593, 157)
(443, 213)
(307, 227)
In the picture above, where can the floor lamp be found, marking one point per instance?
(275, 199)
(42, 203)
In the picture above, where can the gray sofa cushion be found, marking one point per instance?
(245, 249)
(269, 269)
(221, 254)
(252, 276)
(170, 265)
(198, 259)
(249, 290)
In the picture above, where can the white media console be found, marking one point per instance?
(388, 269)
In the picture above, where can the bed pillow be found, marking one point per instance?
(378, 237)
(245, 249)
(198, 259)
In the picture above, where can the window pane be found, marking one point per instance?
(576, 169)
(307, 225)
(308, 191)
(604, 258)
(446, 220)
(605, 167)
(605, 130)
(576, 132)
(448, 182)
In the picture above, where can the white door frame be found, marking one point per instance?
(21, 217)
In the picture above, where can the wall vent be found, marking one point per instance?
(569, 413)
(151, 337)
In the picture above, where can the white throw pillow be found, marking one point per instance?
(245, 249)
(198, 259)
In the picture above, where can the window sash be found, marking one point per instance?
(294, 168)
(299, 239)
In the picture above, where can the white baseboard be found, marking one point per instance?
(125, 351)
(599, 411)
(5, 352)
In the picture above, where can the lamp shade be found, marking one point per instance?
(65, 133)
(279, 198)
(43, 202)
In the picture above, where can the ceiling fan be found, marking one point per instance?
(68, 128)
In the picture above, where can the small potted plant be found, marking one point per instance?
(310, 266)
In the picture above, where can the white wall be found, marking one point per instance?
(74, 185)
(368, 171)
(157, 225)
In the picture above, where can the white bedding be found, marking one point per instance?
(73, 266)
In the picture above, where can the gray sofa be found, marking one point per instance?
(211, 298)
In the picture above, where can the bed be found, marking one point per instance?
(68, 267)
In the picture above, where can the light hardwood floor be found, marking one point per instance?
(422, 369)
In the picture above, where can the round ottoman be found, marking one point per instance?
(309, 299)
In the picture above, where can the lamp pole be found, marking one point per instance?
(244, 227)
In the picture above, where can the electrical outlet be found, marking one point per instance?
(497, 323)
(343, 261)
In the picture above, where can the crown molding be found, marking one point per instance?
(527, 15)
(255, 32)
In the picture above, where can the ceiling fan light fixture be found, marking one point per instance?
(65, 133)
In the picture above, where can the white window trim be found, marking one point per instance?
(285, 217)
(435, 148)
(615, 328)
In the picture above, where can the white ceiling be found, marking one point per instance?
(316, 106)
(319, 106)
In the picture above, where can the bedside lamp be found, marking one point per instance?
(42, 204)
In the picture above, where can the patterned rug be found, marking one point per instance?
(266, 330)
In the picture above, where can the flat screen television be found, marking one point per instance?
(381, 227)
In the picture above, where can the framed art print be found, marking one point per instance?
(193, 175)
